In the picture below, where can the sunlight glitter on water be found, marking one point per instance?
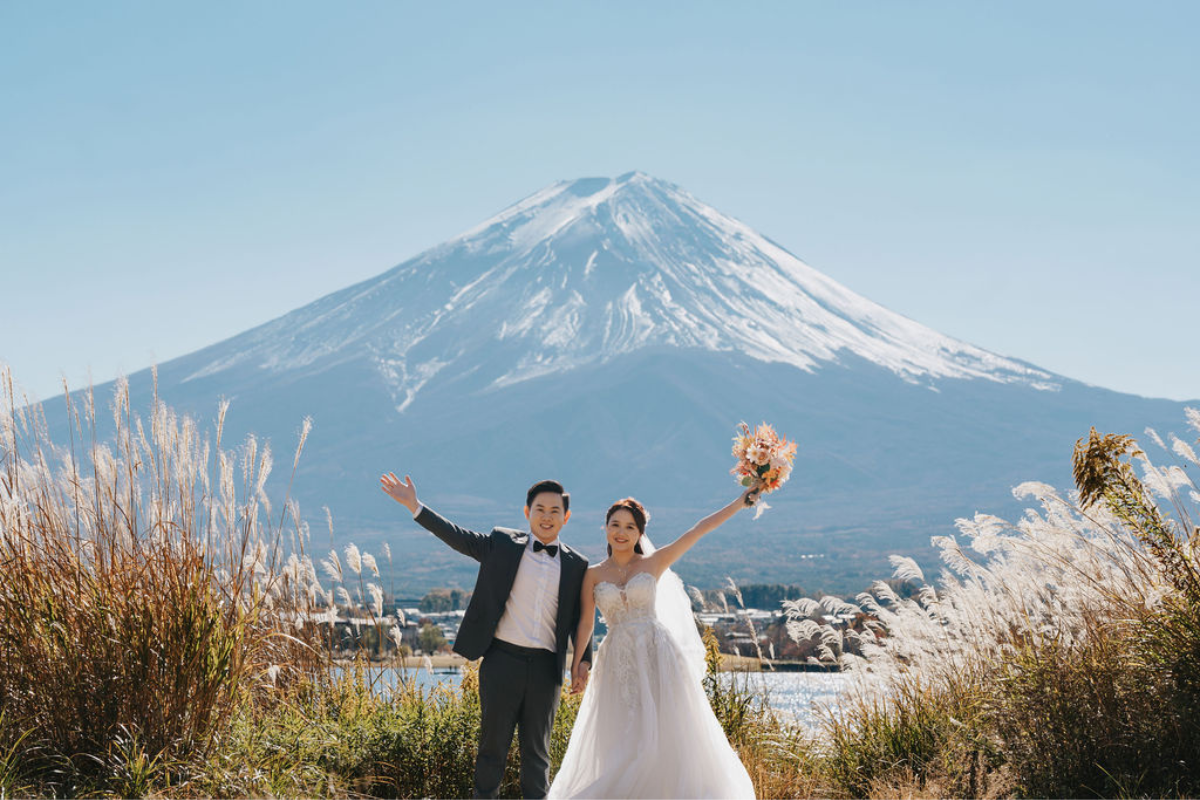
(794, 694)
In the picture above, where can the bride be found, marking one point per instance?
(645, 728)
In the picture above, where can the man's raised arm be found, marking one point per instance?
(468, 542)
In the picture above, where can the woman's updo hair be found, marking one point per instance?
(640, 517)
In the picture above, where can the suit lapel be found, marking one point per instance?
(512, 560)
(565, 582)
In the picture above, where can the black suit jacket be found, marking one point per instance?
(499, 556)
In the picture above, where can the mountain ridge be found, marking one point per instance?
(611, 332)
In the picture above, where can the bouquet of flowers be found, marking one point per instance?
(764, 459)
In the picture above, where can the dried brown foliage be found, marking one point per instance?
(142, 599)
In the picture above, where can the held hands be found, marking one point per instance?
(403, 492)
(579, 677)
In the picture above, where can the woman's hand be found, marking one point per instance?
(750, 497)
(579, 677)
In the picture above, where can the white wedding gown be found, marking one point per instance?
(645, 728)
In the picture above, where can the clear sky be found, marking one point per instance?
(1021, 175)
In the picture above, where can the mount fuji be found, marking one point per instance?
(611, 333)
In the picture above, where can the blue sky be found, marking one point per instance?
(1023, 176)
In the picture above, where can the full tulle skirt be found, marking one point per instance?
(645, 727)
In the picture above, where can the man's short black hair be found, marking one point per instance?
(548, 486)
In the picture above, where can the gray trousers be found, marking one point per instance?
(516, 689)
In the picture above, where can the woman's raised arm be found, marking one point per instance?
(664, 557)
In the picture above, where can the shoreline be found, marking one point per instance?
(729, 663)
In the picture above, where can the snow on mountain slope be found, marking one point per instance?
(584, 271)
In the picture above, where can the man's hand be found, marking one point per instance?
(403, 492)
(579, 677)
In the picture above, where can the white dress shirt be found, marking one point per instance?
(532, 606)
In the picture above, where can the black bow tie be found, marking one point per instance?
(551, 549)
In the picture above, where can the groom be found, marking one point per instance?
(525, 605)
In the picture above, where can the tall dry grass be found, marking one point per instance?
(1057, 656)
(148, 588)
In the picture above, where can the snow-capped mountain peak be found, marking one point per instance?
(585, 271)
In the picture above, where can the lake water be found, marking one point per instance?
(794, 694)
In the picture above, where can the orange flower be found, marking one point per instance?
(764, 458)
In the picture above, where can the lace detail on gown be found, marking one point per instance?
(631, 604)
(645, 728)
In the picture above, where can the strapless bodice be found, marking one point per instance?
(632, 602)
